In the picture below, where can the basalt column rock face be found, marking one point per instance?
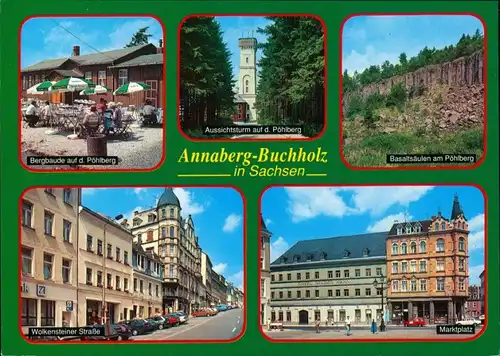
(462, 72)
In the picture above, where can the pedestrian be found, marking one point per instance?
(348, 327)
(268, 324)
(374, 327)
(317, 325)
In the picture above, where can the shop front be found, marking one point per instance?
(91, 306)
(47, 304)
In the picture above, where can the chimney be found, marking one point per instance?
(136, 212)
(159, 50)
(76, 51)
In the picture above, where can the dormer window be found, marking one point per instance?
(408, 229)
(443, 226)
(399, 230)
(309, 258)
(284, 259)
(346, 253)
(296, 258)
(322, 256)
(417, 228)
(366, 252)
(436, 227)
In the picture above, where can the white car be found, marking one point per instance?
(469, 321)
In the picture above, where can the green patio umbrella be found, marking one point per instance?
(132, 87)
(98, 89)
(40, 88)
(72, 84)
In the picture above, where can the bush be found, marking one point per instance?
(396, 97)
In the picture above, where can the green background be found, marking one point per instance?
(15, 179)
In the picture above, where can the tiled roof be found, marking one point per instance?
(106, 57)
(425, 226)
(146, 60)
(69, 73)
(336, 248)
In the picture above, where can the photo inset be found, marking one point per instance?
(92, 93)
(252, 77)
(372, 263)
(413, 91)
(139, 264)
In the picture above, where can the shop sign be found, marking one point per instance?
(24, 287)
(41, 290)
(69, 305)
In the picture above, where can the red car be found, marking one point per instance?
(415, 322)
(172, 319)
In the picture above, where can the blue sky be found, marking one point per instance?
(217, 215)
(369, 40)
(295, 213)
(235, 27)
(47, 38)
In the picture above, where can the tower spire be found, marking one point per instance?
(456, 210)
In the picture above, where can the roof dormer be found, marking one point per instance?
(366, 252)
(296, 258)
(346, 254)
(322, 256)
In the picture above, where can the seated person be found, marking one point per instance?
(150, 117)
(46, 112)
(90, 123)
(117, 115)
(32, 114)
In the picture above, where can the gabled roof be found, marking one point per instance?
(146, 60)
(68, 73)
(333, 248)
(106, 57)
(424, 226)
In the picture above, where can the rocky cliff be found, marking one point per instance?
(462, 72)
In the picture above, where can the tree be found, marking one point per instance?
(206, 79)
(291, 85)
(466, 46)
(141, 37)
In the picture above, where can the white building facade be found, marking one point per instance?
(247, 78)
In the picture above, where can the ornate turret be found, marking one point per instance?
(168, 198)
(456, 211)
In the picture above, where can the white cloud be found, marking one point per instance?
(278, 247)
(386, 223)
(220, 268)
(232, 222)
(474, 273)
(123, 33)
(89, 191)
(268, 222)
(139, 192)
(308, 203)
(237, 280)
(188, 203)
(355, 61)
(476, 232)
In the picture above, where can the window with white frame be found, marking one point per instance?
(27, 214)
(404, 248)
(101, 77)
(88, 76)
(66, 270)
(423, 246)
(395, 286)
(48, 223)
(394, 267)
(48, 264)
(66, 230)
(394, 248)
(423, 266)
(404, 285)
(413, 266)
(440, 285)
(413, 247)
(122, 76)
(413, 285)
(440, 245)
(423, 285)
(262, 287)
(461, 244)
(27, 260)
(461, 284)
(404, 267)
(440, 265)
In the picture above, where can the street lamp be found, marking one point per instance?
(104, 277)
(381, 285)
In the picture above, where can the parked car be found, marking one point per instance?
(183, 318)
(109, 334)
(202, 312)
(173, 320)
(123, 331)
(469, 321)
(155, 325)
(415, 322)
(137, 326)
(481, 319)
(213, 311)
(229, 307)
(162, 321)
(222, 307)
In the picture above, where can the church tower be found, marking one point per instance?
(247, 79)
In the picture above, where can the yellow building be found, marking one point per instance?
(104, 268)
(147, 282)
(49, 251)
(173, 238)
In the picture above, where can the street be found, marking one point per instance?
(223, 326)
(358, 333)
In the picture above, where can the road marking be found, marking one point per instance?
(182, 331)
(238, 321)
(233, 330)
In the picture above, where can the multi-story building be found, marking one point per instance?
(104, 268)
(481, 290)
(219, 289)
(173, 238)
(427, 263)
(474, 305)
(331, 279)
(147, 282)
(49, 252)
(143, 63)
(206, 278)
(230, 294)
(238, 297)
(265, 272)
